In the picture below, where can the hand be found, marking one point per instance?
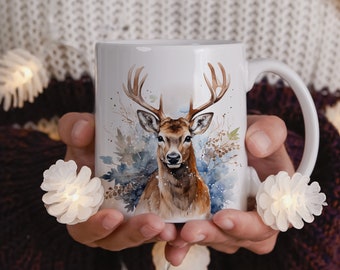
(229, 229)
(107, 228)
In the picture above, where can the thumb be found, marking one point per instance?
(76, 130)
(265, 144)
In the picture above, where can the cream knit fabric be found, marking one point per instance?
(305, 34)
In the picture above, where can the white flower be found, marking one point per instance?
(283, 201)
(71, 198)
(22, 78)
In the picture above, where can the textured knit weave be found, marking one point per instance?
(305, 34)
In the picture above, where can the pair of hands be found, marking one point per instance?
(228, 230)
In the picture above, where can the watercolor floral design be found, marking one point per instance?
(128, 176)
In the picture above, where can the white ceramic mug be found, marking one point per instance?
(170, 126)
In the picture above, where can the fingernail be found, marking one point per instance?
(148, 231)
(199, 238)
(109, 222)
(261, 141)
(78, 128)
(226, 224)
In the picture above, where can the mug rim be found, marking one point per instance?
(168, 42)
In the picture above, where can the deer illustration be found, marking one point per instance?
(176, 189)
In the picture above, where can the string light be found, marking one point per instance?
(23, 75)
(22, 78)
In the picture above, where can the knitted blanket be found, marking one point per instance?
(31, 239)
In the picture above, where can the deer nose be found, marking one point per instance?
(173, 158)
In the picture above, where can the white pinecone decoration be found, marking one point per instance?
(284, 201)
(71, 197)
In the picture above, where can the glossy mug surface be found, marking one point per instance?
(170, 126)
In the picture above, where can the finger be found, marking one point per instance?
(265, 144)
(261, 247)
(176, 255)
(168, 234)
(231, 229)
(208, 234)
(243, 225)
(97, 227)
(232, 225)
(77, 132)
(203, 232)
(178, 241)
(265, 135)
(134, 232)
(176, 250)
(76, 129)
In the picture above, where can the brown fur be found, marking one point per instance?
(178, 192)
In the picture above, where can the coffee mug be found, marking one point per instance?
(171, 120)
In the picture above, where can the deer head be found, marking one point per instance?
(174, 135)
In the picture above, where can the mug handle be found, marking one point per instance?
(310, 152)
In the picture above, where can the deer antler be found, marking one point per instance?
(135, 92)
(213, 90)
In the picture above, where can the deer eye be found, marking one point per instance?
(160, 139)
(187, 139)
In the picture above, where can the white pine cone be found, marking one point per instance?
(71, 198)
(283, 201)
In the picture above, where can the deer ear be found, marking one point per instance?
(148, 121)
(200, 123)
